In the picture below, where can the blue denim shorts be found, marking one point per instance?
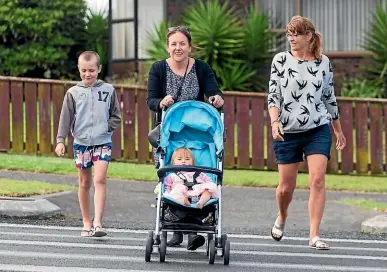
(85, 156)
(296, 146)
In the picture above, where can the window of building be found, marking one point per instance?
(132, 20)
(341, 22)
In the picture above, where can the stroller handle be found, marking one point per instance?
(162, 171)
(220, 109)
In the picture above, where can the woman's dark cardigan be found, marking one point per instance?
(157, 83)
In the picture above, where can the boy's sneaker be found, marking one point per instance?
(98, 231)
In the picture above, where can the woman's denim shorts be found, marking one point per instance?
(296, 146)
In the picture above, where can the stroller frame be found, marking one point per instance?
(218, 245)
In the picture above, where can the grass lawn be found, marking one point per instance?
(131, 171)
(18, 188)
(366, 204)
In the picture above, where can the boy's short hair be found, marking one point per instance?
(88, 55)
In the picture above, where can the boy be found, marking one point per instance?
(91, 112)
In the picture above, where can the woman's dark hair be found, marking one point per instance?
(184, 30)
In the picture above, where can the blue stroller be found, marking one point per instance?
(199, 127)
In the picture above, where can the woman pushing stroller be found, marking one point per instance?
(181, 78)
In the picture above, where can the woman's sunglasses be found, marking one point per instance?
(178, 28)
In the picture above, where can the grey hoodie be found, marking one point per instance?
(90, 113)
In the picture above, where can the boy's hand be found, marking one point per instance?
(60, 149)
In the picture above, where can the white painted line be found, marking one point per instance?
(239, 252)
(82, 239)
(180, 261)
(233, 243)
(308, 267)
(71, 245)
(264, 237)
(238, 236)
(33, 268)
(26, 226)
(281, 245)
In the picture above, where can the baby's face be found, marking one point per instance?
(183, 160)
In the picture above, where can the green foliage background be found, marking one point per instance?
(41, 38)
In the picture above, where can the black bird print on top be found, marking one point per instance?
(281, 74)
(287, 107)
(291, 72)
(317, 106)
(318, 85)
(303, 92)
(317, 122)
(274, 70)
(309, 98)
(303, 122)
(285, 122)
(313, 73)
(282, 60)
(296, 97)
(304, 110)
(302, 84)
(286, 83)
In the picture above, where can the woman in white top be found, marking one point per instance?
(302, 106)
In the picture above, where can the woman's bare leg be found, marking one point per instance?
(317, 168)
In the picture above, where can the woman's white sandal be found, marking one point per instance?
(277, 232)
(317, 243)
(99, 232)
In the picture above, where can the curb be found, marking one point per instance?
(375, 225)
(27, 207)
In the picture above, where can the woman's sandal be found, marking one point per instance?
(317, 243)
(86, 232)
(99, 232)
(277, 232)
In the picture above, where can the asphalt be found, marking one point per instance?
(246, 210)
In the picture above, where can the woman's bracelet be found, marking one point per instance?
(275, 121)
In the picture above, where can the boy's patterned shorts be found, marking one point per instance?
(85, 156)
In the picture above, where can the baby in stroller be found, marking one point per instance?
(177, 185)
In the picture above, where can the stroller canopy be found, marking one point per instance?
(194, 125)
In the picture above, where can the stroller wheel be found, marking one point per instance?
(149, 246)
(226, 250)
(163, 250)
(223, 240)
(210, 237)
(161, 236)
(211, 252)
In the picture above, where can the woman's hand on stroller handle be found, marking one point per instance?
(216, 100)
(167, 101)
